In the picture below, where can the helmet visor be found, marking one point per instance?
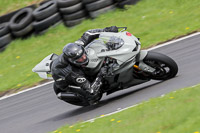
(82, 59)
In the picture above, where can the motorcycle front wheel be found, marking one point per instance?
(165, 67)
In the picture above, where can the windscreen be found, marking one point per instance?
(113, 42)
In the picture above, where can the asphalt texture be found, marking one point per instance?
(39, 111)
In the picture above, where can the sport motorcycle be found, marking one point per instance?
(127, 65)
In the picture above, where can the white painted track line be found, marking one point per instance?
(29, 89)
(158, 46)
(93, 119)
(173, 41)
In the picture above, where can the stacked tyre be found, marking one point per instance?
(45, 16)
(97, 7)
(21, 23)
(72, 12)
(5, 36)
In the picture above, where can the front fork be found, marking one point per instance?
(140, 65)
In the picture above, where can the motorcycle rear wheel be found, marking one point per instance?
(165, 66)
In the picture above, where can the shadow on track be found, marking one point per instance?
(120, 96)
(83, 110)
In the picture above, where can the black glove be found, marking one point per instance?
(93, 87)
(111, 29)
(103, 72)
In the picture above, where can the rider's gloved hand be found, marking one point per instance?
(111, 29)
(103, 72)
(95, 86)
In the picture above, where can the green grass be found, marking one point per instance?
(176, 112)
(7, 6)
(152, 21)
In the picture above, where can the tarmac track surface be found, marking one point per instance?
(39, 111)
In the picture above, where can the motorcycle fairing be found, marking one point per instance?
(43, 68)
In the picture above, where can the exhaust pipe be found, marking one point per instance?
(71, 96)
(68, 96)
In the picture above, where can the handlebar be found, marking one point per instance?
(124, 28)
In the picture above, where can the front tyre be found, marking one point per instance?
(165, 67)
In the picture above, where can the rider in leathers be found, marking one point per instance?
(67, 69)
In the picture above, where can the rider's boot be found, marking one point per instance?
(93, 90)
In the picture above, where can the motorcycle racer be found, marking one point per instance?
(111, 63)
(67, 69)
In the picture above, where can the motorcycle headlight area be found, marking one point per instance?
(114, 43)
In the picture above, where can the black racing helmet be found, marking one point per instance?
(75, 54)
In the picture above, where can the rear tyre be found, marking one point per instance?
(73, 98)
(78, 101)
(77, 97)
(165, 66)
(81, 101)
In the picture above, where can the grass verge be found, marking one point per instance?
(176, 112)
(152, 21)
(7, 6)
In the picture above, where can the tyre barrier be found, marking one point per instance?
(5, 36)
(21, 23)
(97, 7)
(38, 18)
(6, 18)
(45, 16)
(72, 12)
